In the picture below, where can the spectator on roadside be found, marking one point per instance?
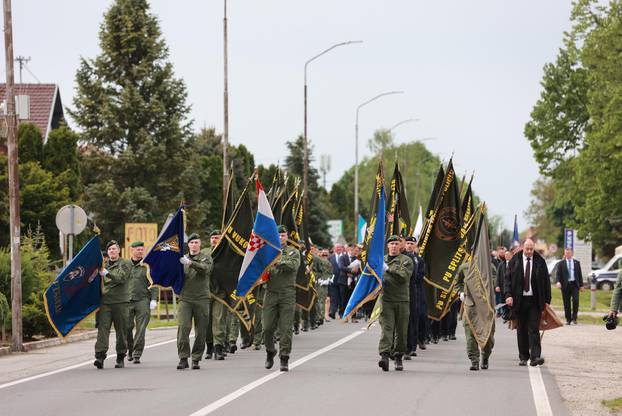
(570, 280)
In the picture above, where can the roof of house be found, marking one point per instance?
(46, 109)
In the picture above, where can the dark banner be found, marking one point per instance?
(398, 215)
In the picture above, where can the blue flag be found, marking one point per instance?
(76, 291)
(165, 270)
(370, 283)
(515, 238)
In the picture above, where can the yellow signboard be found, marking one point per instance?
(145, 232)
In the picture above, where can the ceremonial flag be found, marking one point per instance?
(398, 216)
(418, 225)
(515, 237)
(289, 217)
(372, 257)
(432, 205)
(264, 248)
(306, 294)
(229, 202)
(229, 253)
(468, 230)
(76, 291)
(165, 270)
(362, 227)
(478, 286)
(442, 247)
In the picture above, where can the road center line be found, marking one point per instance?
(245, 389)
(540, 398)
(71, 367)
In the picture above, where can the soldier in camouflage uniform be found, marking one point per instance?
(395, 305)
(616, 296)
(193, 303)
(142, 301)
(257, 325)
(216, 325)
(114, 306)
(280, 302)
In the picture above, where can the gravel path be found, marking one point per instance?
(586, 361)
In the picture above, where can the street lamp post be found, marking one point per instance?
(305, 162)
(225, 133)
(396, 125)
(356, 158)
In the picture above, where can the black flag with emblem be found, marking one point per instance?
(229, 254)
(442, 247)
(398, 216)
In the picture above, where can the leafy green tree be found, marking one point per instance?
(61, 158)
(382, 140)
(30, 143)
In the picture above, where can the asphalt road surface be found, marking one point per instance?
(333, 371)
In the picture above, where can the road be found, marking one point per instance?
(333, 370)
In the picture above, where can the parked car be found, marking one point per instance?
(606, 276)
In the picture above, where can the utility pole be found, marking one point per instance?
(16, 264)
(225, 134)
(22, 63)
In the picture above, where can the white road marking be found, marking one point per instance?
(71, 367)
(245, 389)
(540, 398)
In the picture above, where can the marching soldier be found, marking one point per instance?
(280, 302)
(142, 300)
(217, 331)
(193, 303)
(113, 309)
(395, 305)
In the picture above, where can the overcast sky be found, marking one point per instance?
(470, 71)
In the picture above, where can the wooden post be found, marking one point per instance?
(11, 121)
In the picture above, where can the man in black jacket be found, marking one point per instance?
(501, 268)
(416, 293)
(570, 280)
(527, 290)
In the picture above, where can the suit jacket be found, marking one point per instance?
(563, 274)
(540, 283)
(332, 259)
(500, 275)
(344, 262)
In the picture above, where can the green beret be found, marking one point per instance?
(137, 244)
(282, 229)
(411, 238)
(215, 233)
(111, 243)
(193, 236)
(393, 238)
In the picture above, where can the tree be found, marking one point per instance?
(60, 157)
(382, 140)
(318, 204)
(133, 110)
(30, 143)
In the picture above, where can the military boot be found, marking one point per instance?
(233, 347)
(99, 360)
(399, 365)
(474, 366)
(484, 365)
(120, 361)
(407, 357)
(209, 352)
(183, 364)
(284, 363)
(269, 359)
(296, 329)
(384, 361)
(195, 365)
(130, 356)
(218, 353)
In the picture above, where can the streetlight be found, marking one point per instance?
(356, 158)
(305, 160)
(408, 120)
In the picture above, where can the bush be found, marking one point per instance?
(35, 321)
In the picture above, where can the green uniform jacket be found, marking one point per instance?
(283, 274)
(397, 278)
(116, 282)
(322, 268)
(196, 279)
(616, 297)
(139, 284)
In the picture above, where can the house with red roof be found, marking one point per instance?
(36, 103)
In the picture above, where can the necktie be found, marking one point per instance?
(527, 276)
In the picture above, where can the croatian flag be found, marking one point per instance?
(264, 246)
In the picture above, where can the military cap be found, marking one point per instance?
(214, 233)
(411, 238)
(111, 243)
(392, 238)
(282, 229)
(193, 236)
(137, 244)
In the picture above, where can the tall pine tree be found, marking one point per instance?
(133, 112)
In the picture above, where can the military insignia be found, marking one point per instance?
(171, 244)
(76, 273)
(447, 227)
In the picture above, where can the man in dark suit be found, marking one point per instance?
(333, 289)
(501, 268)
(527, 290)
(345, 277)
(570, 280)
